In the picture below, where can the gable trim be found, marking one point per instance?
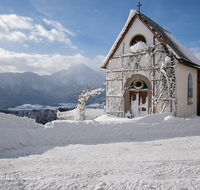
(120, 40)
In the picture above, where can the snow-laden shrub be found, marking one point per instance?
(83, 97)
(139, 47)
(168, 59)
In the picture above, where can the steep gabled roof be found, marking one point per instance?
(167, 39)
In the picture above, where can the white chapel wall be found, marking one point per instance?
(183, 109)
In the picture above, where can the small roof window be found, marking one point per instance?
(136, 39)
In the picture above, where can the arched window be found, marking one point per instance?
(138, 38)
(190, 89)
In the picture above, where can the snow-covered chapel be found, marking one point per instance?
(149, 71)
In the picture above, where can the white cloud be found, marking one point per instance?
(42, 63)
(17, 22)
(79, 31)
(34, 38)
(16, 36)
(51, 35)
(58, 26)
(19, 29)
(195, 51)
(194, 43)
(100, 58)
(4, 30)
(25, 45)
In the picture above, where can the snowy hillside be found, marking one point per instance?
(61, 87)
(79, 74)
(152, 152)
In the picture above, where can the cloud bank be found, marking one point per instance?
(43, 63)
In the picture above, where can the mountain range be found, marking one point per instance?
(60, 87)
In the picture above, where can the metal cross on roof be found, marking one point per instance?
(139, 6)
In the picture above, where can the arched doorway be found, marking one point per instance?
(138, 96)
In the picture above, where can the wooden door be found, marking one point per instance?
(139, 103)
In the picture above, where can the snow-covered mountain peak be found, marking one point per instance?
(80, 74)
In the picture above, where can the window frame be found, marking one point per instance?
(190, 90)
(137, 38)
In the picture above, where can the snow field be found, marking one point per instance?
(19, 132)
(151, 152)
(161, 164)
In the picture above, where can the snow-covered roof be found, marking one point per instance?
(178, 50)
(184, 53)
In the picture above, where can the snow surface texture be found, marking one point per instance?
(19, 132)
(71, 115)
(151, 152)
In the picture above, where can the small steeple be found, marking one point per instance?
(139, 6)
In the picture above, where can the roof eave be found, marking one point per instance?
(189, 64)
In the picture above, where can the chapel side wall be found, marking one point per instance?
(183, 109)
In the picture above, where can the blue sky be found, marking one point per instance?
(45, 36)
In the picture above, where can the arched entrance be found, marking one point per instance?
(138, 95)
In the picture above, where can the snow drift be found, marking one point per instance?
(139, 47)
(18, 132)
